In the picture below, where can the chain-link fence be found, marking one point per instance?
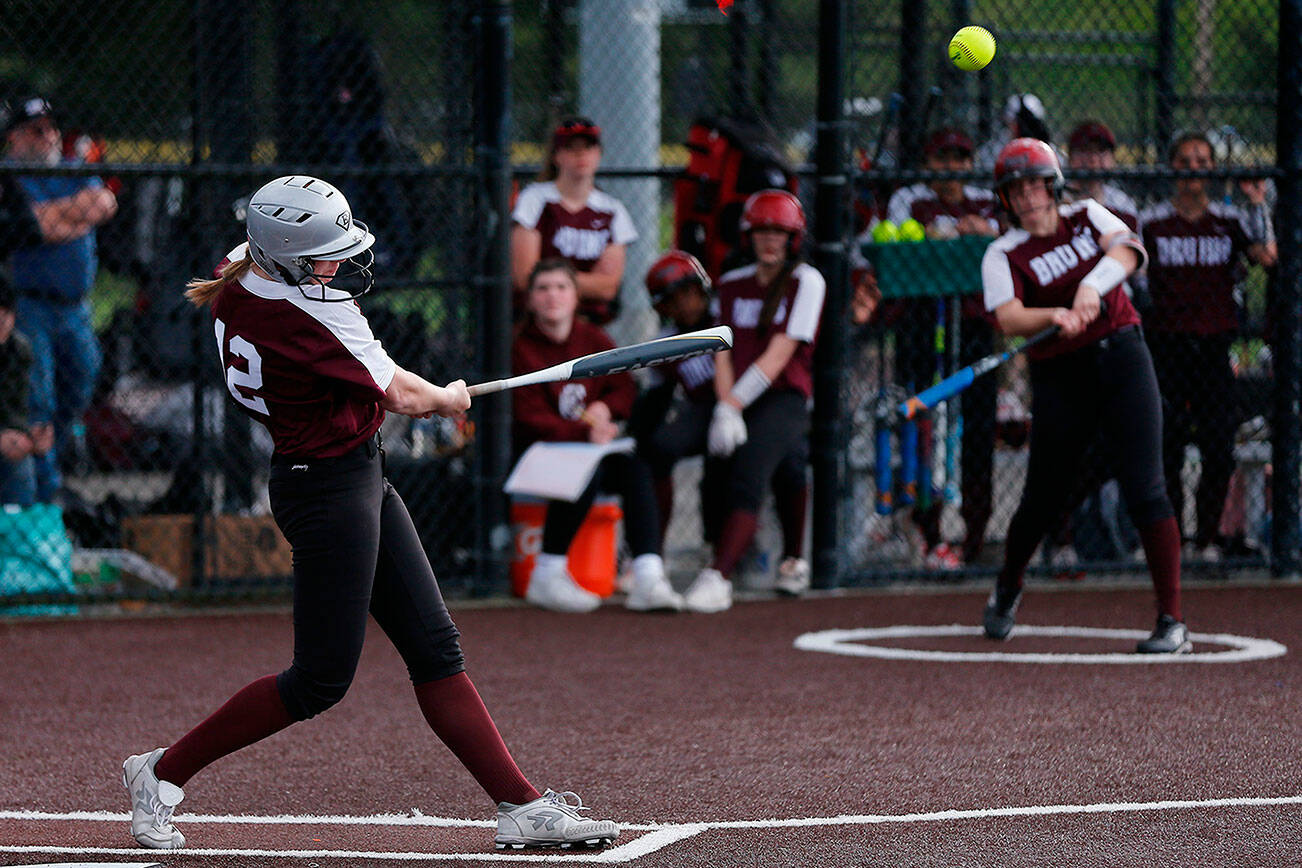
(180, 111)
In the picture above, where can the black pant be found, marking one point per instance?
(355, 551)
(777, 436)
(684, 433)
(977, 464)
(1107, 389)
(618, 473)
(1198, 399)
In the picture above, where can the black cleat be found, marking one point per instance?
(1169, 637)
(1000, 613)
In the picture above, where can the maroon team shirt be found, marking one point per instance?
(741, 301)
(578, 236)
(553, 411)
(694, 375)
(310, 371)
(1191, 268)
(1047, 271)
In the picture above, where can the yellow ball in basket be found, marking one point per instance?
(912, 230)
(972, 48)
(885, 232)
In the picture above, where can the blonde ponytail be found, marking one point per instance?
(200, 292)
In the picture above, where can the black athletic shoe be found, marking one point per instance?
(1169, 637)
(1000, 613)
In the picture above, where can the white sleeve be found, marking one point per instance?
(622, 230)
(1104, 220)
(529, 206)
(807, 306)
(996, 278)
(899, 207)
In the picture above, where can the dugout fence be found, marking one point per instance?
(431, 116)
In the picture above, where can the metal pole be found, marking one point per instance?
(1287, 428)
(738, 85)
(913, 80)
(831, 230)
(492, 147)
(1166, 75)
(768, 61)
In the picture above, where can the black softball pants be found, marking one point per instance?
(355, 551)
(618, 473)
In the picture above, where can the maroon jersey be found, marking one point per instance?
(1046, 272)
(310, 371)
(694, 375)
(1191, 268)
(553, 411)
(741, 301)
(920, 202)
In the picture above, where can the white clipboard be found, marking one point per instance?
(560, 471)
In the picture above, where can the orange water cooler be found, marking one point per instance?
(592, 555)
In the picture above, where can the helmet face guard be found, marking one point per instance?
(1026, 158)
(775, 209)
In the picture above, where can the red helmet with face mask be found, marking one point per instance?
(1026, 158)
(774, 209)
(673, 271)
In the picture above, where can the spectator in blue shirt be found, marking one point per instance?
(52, 281)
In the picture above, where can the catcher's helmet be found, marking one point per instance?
(774, 209)
(1026, 158)
(673, 271)
(297, 219)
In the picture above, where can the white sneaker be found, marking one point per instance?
(551, 821)
(552, 587)
(793, 577)
(709, 592)
(651, 591)
(152, 803)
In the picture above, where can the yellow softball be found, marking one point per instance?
(972, 48)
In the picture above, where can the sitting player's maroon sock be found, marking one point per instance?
(1162, 551)
(453, 709)
(738, 531)
(250, 715)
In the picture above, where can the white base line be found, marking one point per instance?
(659, 837)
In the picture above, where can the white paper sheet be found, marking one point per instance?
(560, 471)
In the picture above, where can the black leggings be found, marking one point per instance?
(1106, 389)
(618, 473)
(777, 441)
(355, 551)
(1198, 396)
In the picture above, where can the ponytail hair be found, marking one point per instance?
(200, 292)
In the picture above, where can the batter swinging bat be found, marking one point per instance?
(643, 355)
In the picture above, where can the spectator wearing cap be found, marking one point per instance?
(1092, 147)
(18, 440)
(948, 208)
(564, 215)
(1023, 116)
(52, 281)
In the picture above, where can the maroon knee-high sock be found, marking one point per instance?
(664, 489)
(453, 709)
(250, 715)
(738, 531)
(791, 515)
(1162, 551)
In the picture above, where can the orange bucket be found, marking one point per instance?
(592, 553)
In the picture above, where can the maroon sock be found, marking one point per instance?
(250, 715)
(664, 489)
(791, 515)
(1162, 551)
(457, 715)
(738, 530)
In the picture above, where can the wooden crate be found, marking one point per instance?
(237, 546)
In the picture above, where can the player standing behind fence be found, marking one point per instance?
(299, 357)
(1194, 253)
(565, 215)
(1095, 378)
(763, 385)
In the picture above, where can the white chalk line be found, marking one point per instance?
(659, 836)
(851, 643)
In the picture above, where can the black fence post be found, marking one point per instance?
(913, 81)
(1284, 538)
(1165, 115)
(492, 149)
(831, 225)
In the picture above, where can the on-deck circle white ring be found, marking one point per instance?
(850, 642)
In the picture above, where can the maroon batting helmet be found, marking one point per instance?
(671, 272)
(1026, 158)
(774, 209)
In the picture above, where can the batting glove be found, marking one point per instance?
(727, 430)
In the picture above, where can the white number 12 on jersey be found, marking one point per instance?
(252, 380)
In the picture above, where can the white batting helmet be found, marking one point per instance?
(297, 219)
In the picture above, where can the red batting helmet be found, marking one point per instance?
(1026, 158)
(673, 271)
(774, 209)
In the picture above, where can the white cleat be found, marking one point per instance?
(152, 803)
(793, 577)
(651, 591)
(709, 593)
(553, 820)
(552, 587)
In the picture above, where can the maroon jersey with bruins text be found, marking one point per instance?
(554, 411)
(741, 301)
(694, 375)
(1046, 272)
(310, 371)
(1191, 268)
